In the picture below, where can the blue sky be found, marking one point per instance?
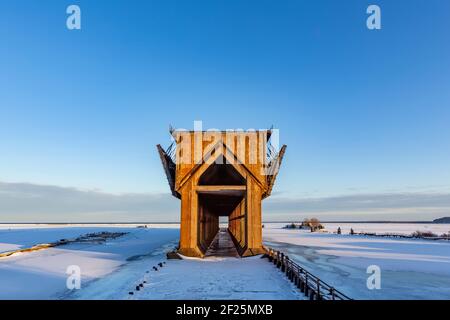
(362, 112)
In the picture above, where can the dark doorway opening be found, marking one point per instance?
(221, 173)
(221, 193)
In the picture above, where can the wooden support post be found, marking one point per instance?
(318, 290)
(306, 285)
(288, 261)
(286, 267)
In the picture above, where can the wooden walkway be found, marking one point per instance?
(222, 245)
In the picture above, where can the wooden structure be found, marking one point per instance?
(221, 173)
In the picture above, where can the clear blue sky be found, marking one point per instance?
(361, 111)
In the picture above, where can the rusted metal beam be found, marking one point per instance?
(169, 169)
(274, 169)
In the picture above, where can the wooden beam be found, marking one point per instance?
(221, 189)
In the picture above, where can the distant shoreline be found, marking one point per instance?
(147, 222)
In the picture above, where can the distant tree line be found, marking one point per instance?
(312, 224)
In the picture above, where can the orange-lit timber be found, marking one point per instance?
(221, 173)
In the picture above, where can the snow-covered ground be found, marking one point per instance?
(196, 279)
(410, 268)
(42, 274)
(113, 269)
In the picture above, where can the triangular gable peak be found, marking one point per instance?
(212, 154)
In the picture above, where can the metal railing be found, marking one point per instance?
(171, 152)
(310, 285)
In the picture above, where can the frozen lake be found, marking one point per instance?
(111, 270)
(410, 268)
(42, 274)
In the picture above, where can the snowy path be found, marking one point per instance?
(219, 278)
(192, 279)
(222, 275)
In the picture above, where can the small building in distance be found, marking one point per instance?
(221, 173)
